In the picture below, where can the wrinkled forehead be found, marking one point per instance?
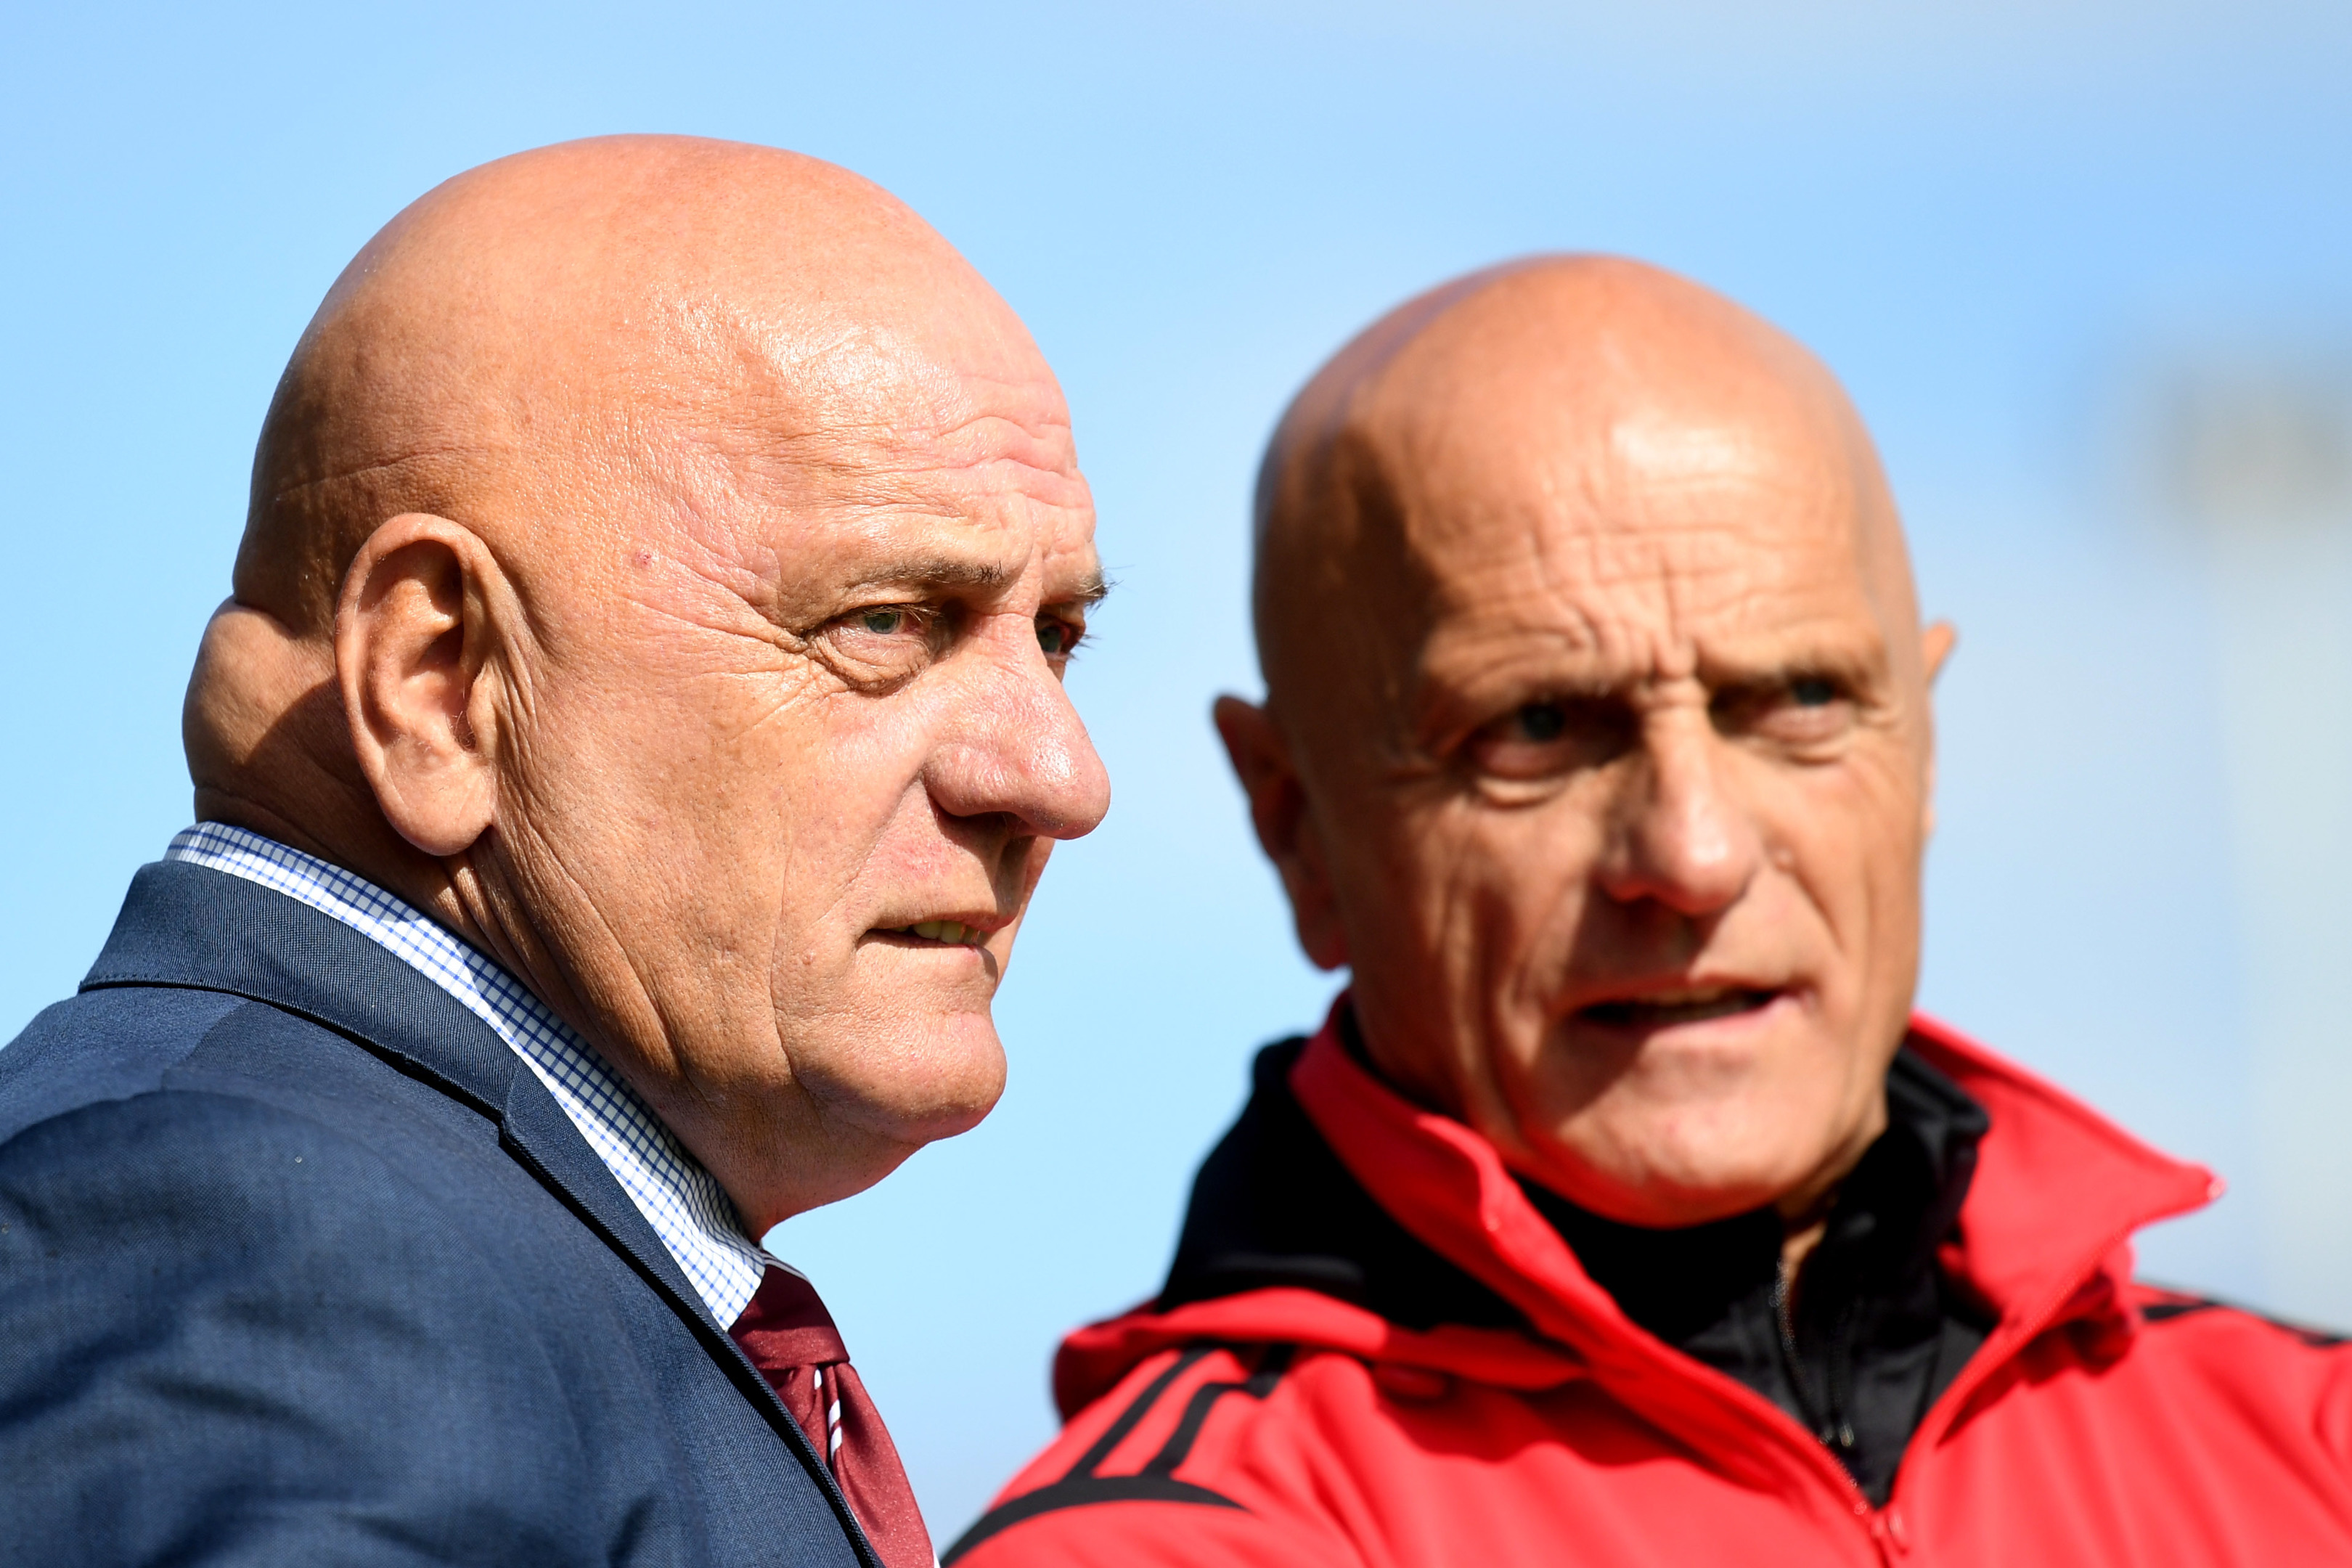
(887, 440)
(890, 380)
(836, 398)
(1634, 471)
(920, 445)
(645, 342)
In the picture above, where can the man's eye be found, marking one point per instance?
(1799, 710)
(1541, 721)
(1812, 691)
(1056, 637)
(1551, 737)
(884, 623)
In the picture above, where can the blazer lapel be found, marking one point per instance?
(191, 926)
(543, 1138)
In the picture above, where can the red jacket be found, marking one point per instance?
(2103, 1422)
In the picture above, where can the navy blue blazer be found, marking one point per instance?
(300, 1264)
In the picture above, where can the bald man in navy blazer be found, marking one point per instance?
(634, 735)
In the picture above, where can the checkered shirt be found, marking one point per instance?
(682, 1202)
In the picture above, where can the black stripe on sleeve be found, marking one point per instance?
(1156, 1482)
(1132, 1417)
(1078, 1493)
(2183, 1306)
(1179, 1446)
(2165, 1311)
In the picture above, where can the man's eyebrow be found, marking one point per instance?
(1091, 589)
(938, 571)
(1857, 661)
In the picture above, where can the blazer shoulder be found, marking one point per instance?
(191, 1178)
(102, 1045)
(283, 1333)
(215, 1146)
(120, 1042)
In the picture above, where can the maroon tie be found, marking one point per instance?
(790, 1337)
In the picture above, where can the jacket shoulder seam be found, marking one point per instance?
(162, 1084)
(399, 1061)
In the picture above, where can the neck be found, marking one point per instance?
(1892, 1209)
(1803, 1224)
(353, 835)
(775, 1154)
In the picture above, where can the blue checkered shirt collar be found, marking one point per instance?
(684, 1203)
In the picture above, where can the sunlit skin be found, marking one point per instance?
(1597, 743)
(664, 563)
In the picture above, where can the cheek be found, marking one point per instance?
(1487, 900)
(631, 780)
(846, 804)
(1848, 838)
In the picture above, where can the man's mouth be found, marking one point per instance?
(1664, 1009)
(955, 933)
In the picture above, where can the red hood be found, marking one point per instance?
(2036, 1263)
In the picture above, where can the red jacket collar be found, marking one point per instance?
(2035, 1262)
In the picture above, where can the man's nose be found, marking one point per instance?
(1681, 834)
(1015, 747)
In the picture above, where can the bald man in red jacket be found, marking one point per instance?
(1622, 1211)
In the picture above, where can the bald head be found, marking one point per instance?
(662, 562)
(1596, 742)
(1557, 395)
(570, 333)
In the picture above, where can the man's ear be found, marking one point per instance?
(1286, 828)
(1935, 645)
(413, 637)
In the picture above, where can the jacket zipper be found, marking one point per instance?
(1830, 1424)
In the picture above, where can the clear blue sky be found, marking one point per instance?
(1991, 219)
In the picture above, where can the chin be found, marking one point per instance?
(1698, 1190)
(934, 1116)
(944, 1085)
(1674, 1170)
